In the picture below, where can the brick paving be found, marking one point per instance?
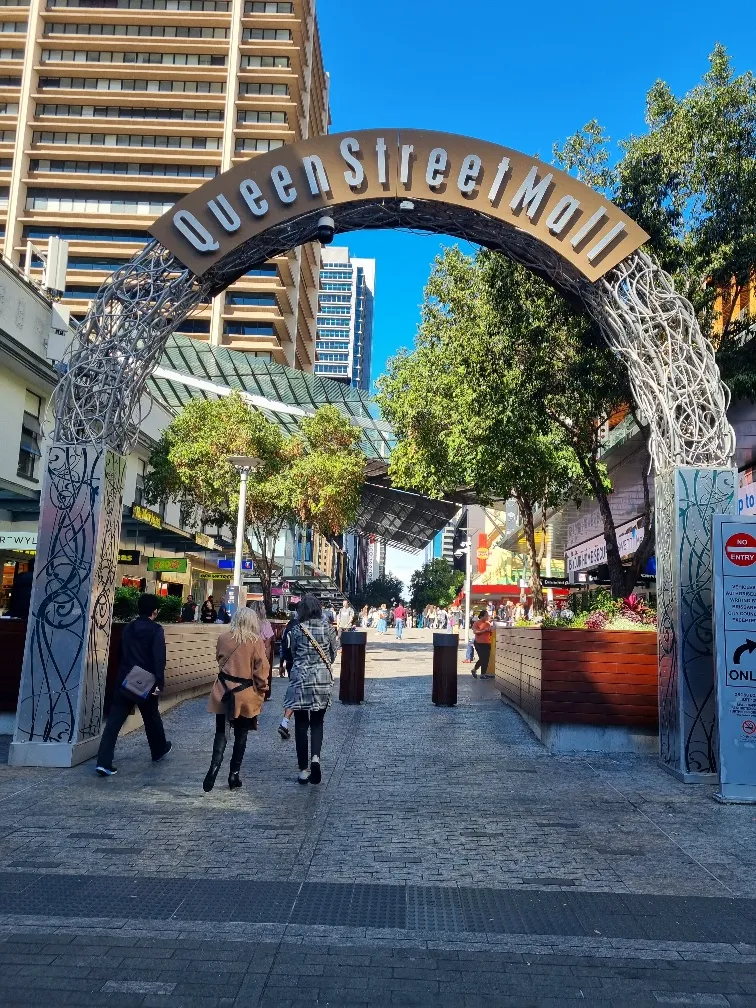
(447, 859)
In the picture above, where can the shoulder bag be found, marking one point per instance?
(139, 682)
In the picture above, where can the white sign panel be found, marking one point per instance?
(593, 553)
(18, 540)
(746, 493)
(734, 552)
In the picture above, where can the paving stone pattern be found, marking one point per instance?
(447, 859)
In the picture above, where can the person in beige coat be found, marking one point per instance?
(238, 693)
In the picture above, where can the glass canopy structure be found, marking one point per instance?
(190, 369)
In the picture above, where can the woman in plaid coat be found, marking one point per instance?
(313, 644)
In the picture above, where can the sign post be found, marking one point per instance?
(734, 545)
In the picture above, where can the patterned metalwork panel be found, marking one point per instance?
(63, 675)
(673, 373)
(118, 345)
(688, 497)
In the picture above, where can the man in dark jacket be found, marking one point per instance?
(21, 593)
(142, 644)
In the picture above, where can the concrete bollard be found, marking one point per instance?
(445, 647)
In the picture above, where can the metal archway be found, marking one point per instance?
(531, 212)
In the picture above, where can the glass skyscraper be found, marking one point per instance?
(345, 317)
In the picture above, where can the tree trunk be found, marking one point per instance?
(613, 559)
(536, 588)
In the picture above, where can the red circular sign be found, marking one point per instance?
(749, 727)
(741, 549)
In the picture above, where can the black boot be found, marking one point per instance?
(240, 744)
(219, 747)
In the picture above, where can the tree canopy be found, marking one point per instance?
(435, 583)
(379, 590)
(313, 476)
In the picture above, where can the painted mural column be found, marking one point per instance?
(60, 704)
(686, 499)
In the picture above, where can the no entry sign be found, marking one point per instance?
(734, 552)
(740, 549)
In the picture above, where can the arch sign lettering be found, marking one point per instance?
(396, 166)
(382, 178)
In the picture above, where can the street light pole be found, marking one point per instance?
(245, 465)
(468, 586)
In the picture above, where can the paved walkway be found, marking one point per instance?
(447, 859)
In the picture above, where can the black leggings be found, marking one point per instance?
(484, 654)
(302, 721)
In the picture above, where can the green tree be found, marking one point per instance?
(690, 182)
(312, 477)
(379, 590)
(435, 583)
(506, 392)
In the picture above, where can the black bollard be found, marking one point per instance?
(352, 677)
(445, 647)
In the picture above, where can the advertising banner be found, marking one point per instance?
(129, 558)
(734, 552)
(226, 563)
(176, 565)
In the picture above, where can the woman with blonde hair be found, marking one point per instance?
(238, 693)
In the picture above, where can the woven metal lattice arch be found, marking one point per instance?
(452, 185)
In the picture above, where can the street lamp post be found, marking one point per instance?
(245, 464)
(466, 548)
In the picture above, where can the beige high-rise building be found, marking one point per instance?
(111, 110)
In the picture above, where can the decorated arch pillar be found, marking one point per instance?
(494, 196)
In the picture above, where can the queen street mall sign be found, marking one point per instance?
(734, 552)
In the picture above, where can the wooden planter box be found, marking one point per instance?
(602, 679)
(190, 661)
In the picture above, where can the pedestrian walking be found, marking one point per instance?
(382, 619)
(313, 647)
(188, 610)
(284, 670)
(364, 617)
(345, 617)
(207, 612)
(399, 616)
(21, 592)
(268, 635)
(238, 693)
(482, 628)
(141, 676)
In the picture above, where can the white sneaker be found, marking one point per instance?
(304, 777)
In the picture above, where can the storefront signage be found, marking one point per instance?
(372, 166)
(211, 576)
(593, 553)
(167, 564)
(553, 582)
(734, 584)
(482, 553)
(144, 514)
(18, 540)
(129, 558)
(205, 540)
(226, 564)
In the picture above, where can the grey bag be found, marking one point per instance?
(139, 682)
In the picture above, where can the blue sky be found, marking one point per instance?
(523, 74)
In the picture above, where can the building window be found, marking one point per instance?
(262, 89)
(116, 84)
(253, 300)
(11, 54)
(92, 56)
(13, 27)
(335, 274)
(266, 270)
(335, 286)
(262, 7)
(330, 299)
(9, 82)
(31, 433)
(266, 35)
(234, 329)
(250, 144)
(163, 5)
(125, 168)
(261, 117)
(7, 136)
(151, 31)
(70, 202)
(336, 309)
(260, 61)
(127, 112)
(8, 108)
(126, 140)
(141, 467)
